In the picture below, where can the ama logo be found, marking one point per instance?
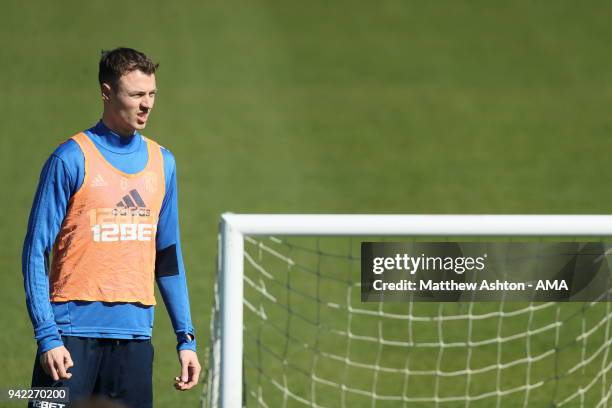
(130, 220)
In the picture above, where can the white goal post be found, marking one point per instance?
(225, 388)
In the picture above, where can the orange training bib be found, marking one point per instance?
(105, 250)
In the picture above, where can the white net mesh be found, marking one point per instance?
(310, 341)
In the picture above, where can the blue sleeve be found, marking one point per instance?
(169, 268)
(55, 188)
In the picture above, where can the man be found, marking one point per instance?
(106, 204)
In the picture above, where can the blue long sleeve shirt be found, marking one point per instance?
(61, 177)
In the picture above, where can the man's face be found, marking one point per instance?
(129, 103)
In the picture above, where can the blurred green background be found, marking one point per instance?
(339, 107)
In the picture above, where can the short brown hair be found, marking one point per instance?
(120, 61)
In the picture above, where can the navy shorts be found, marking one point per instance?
(120, 370)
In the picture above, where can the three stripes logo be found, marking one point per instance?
(131, 200)
(99, 181)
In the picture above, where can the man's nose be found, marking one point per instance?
(147, 103)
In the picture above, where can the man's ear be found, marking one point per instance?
(106, 92)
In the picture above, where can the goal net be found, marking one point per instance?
(289, 328)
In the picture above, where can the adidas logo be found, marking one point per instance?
(131, 200)
(98, 181)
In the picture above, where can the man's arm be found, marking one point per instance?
(48, 210)
(169, 268)
(46, 216)
(171, 280)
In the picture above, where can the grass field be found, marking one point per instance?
(382, 107)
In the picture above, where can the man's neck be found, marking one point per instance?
(116, 129)
(110, 140)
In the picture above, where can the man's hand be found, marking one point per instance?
(56, 362)
(190, 370)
